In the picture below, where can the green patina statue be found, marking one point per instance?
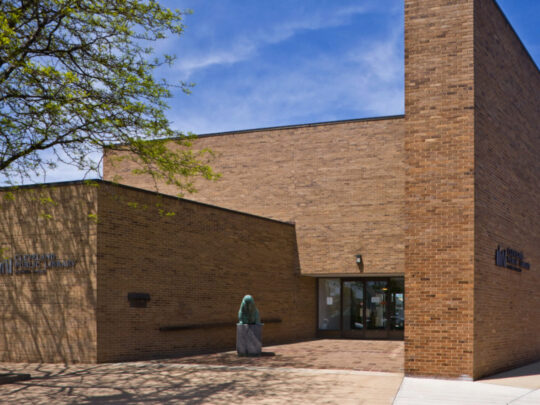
(248, 313)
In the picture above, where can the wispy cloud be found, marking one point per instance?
(229, 56)
(315, 21)
(245, 45)
(295, 64)
(366, 80)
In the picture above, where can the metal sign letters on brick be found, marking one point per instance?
(33, 264)
(511, 259)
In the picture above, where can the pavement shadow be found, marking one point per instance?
(326, 354)
(104, 384)
(125, 383)
(528, 370)
(266, 359)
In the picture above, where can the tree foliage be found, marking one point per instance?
(77, 76)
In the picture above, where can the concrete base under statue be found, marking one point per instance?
(249, 339)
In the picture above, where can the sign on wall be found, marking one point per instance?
(33, 264)
(511, 259)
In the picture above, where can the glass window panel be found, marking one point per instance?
(397, 303)
(353, 305)
(376, 304)
(329, 303)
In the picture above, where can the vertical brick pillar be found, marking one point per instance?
(439, 148)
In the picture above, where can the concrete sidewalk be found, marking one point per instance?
(520, 386)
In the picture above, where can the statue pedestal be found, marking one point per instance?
(249, 339)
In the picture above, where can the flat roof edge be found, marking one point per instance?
(107, 182)
(307, 125)
(509, 23)
(352, 275)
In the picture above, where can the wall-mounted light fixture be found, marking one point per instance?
(359, 261)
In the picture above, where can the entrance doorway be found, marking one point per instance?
(363, 308)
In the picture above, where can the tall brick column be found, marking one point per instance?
(439, 148)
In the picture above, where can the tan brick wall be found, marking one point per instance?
(439, 142)
(507, 190)
(341, 183)
(49, 317)
(196, 265)
(430, 195)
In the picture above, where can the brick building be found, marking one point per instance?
(101, 272)
(425, 199)
(422, 227)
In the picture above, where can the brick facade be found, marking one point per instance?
(439, 148)
(49, 317)
(507, 190)
(342, 184)
(195, 261)
(430, 195)
(196, 265)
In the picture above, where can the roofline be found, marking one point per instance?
(294, 126)
(277, 128)
(516, 34)
(83, 182)
(49, 184)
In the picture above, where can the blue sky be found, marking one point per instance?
(258, 64)
(269, 63)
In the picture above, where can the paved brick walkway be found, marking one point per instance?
(158, 383)
(316, 372)
(361, 355)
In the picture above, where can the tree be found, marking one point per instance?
(76, 76)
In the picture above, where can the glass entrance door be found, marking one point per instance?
(396, 304)
(376, 316)
(353, 307)
(368, 308)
